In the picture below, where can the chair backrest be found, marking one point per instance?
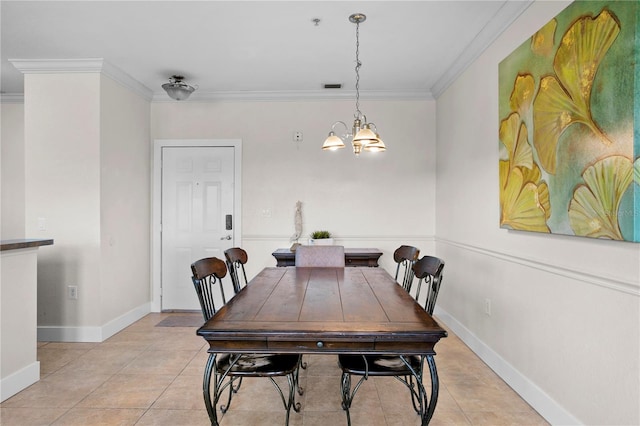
(428, 270)
(320, 256)
(207, 279)
(236, 258)
(405, 257)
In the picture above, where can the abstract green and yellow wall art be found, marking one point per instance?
(569, 135)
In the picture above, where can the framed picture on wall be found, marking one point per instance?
(569, 135)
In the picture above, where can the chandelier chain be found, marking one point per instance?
(358, 114)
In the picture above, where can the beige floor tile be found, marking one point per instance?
(52, 358)
(128, 391)
(444, 417)
(183, 340)
(99, 417)
(322, 365)
(372, 417)
(505, 418)
(72, 345)
(133, 339)
(58, 390)
(325, 418)
(155, 417)
(29, 416)
(322, 394)
(184, 393)
(103, 360)
(259, 394)
(260, 418)
(160, 362)
(478, 396)
(148, 322)
(195, 367)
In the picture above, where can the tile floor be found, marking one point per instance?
(149, 375)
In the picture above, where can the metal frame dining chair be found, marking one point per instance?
(236, 259)
(405, 257)
(226, 368)
(408, 369)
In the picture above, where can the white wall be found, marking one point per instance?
(564, 327)
(124, 200)
(12, 170)
(87, 162)
(378, 200)
(62, 186)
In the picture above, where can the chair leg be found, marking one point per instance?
(297, 376)
(218, 386)
(290, 401)
(237, 388)
(347, 393)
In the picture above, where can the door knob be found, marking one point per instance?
(228, 237)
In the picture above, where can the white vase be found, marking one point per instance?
(320, 241)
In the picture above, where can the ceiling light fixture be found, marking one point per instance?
(177, 89)
(364, 135)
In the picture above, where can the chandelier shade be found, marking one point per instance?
(332, 142)
(177, 89)
(361, 135)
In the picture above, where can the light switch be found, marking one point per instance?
(42, 224)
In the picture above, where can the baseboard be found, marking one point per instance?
(92, 334)
(547, 407)
(21, 379)
(124, 321)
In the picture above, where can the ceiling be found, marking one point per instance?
(255, 48)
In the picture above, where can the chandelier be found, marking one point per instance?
(363, 135)
(177, 89)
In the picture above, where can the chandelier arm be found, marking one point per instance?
(345, 134)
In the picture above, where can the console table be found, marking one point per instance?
(352, 257)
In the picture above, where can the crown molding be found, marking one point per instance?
(298, 95)
(84, 65)
(504, 17)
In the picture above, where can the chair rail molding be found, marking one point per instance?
(624, 286)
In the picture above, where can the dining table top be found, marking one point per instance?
(326, 310)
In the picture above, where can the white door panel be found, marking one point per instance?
(197, 195)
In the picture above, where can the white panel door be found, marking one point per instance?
(197, 212)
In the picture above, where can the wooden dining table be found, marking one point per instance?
(326, 311)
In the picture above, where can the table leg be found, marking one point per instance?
(206, 389)
(426, 409)
(435, 386)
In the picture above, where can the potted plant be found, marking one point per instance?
(321, 238)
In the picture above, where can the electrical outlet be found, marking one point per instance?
(72, 292)
(297, 136)
(487, 307)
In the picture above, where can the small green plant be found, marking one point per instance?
(318, 235)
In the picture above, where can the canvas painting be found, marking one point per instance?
(569, 135)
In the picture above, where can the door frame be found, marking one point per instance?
(156, 200)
